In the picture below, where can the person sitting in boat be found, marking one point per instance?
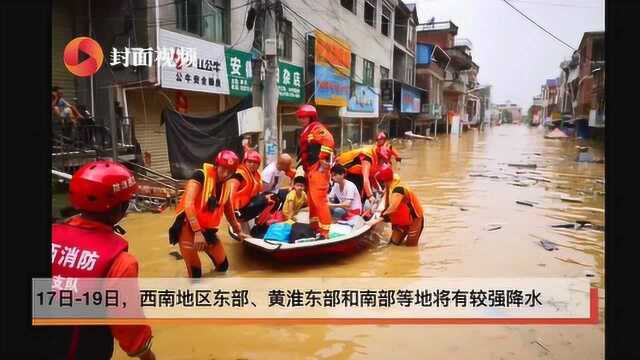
(296, 199)
(199, 212)
(245, 187)
(387, 150)
(344, 198)
(403, 210)
(272, 174)
(361, 164)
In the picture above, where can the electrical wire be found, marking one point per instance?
(538, 25)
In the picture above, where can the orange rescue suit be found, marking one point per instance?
(316, 150)
(201, 207)
(250, 186)
(352, 160)
(409, 209)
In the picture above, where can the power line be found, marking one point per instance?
(538, 25)
(556, 4)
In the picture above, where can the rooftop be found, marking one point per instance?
(438, 26)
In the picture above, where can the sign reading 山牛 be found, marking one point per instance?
(195, 65)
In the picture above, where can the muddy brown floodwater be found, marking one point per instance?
(465, 184)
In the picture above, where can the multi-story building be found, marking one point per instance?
(450, 85)
(590, 94)
(364, 45)
(514, 110)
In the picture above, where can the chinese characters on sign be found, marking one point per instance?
(239, 72)
(332, 71)
(206, 72)
(289, 77)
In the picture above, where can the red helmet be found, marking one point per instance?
(385, 173)
(307, 111)
(252, 155)
(228, 159)
(101, 185)
(381, 136)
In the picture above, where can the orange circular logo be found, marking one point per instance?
(88, 66)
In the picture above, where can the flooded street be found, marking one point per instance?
(467, 190)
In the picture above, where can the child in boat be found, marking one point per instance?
(296, 198)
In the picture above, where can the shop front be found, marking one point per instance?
(360, 116)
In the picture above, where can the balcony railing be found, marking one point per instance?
(437, 26)
(83, 139)
(463, 42)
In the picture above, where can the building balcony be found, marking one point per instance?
(454, 86)
(460, 59)
(463, 42)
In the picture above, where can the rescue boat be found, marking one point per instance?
(306, 248)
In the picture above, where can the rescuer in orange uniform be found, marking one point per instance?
(245, 187)
(86, 246)
(361, 164)
(403, 208)
(385, 150)
(198, 214)
(316, 152)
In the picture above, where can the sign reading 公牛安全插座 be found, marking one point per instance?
(208, 73)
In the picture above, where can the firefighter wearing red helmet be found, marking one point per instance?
(246, 188)
(198, 214)
(316, 154)
(403, 210)
(384, 149)
(86, 246)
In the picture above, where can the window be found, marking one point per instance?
(349, 5)
(411, 36)
(386, 21)
(370, 12)
(353, 65)
(409, 70)
(367, 77)
(284, 39)
(384, 72)
(205, 18)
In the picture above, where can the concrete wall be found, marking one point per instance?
(443, 39)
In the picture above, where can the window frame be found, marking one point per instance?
(183, 17)
(373, 4)
(288, 39)
(354, 64)
(382, 22)
(354, 7)
(381, 72)
(368, 67)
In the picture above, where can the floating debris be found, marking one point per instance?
(526, 203)
(493, 227)
(565, 226)
(531, 166)
(549, 245)
(464, 209)
(176, 255)
(570, 199)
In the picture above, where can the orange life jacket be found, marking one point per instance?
(250, 186)
(352, 160)
(409, 209)
(210, 204)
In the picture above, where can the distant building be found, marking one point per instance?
(513, 109)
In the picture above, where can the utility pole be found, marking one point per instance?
(270, 90)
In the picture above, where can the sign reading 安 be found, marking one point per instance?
(290, 77)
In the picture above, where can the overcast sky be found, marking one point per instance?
(514, 55)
